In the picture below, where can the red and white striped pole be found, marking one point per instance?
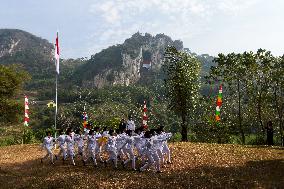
(26, 119)
(145, 118)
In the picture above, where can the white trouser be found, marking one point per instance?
(70, 153)
(49, 153)
(166, 150)
(112, 156)
(153, 159)
(62, 151)
(80, 150)
(131, 157)
(161, 155)
(92, 154)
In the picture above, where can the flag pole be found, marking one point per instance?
(55, 115)
(56, 104)
(57, 58)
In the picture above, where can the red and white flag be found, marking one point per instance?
(56, 54)
(145, 118)
(26, 119)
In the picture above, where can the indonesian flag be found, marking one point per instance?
(26, 118)
(145, 118)
(146, 64)
(56, 54)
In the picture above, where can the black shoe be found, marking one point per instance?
(56, 157)
(169, 162)
(41, 160)
(159, 172)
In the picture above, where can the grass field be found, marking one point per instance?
(195, 165)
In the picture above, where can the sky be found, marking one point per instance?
(205, 26)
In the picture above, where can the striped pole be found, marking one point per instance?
(26, 118)
(145, 118)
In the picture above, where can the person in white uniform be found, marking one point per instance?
(48, 145)
(79, 141)
(151, 152)
(70, 146)
(128, 149)
(130, 124)
(61, 143)
(111, 148)
(92, 142)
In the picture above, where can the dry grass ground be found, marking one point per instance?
(194, 166)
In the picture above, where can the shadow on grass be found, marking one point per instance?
(33, 174)
(265, 147)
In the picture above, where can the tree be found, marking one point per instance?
(182, 77)
(233, 70)
(12, 79)
(278, 92)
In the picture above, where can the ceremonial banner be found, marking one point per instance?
(219, 104)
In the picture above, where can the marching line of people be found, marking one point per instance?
(125, 145)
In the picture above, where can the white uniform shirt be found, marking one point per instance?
(79, 139)
(111, 143)
(92, 141)
(130, 125)
(61, 140)
(70, 141)
(48, 142)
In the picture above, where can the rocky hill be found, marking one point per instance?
(35, 55)
(17, 46)
(124, 64)
(137, 60)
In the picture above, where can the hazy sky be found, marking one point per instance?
(205, 26)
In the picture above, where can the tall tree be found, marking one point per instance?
(233, 70)
(11, 81)
(278, 92)
(182, 85)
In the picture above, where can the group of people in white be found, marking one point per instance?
(126, 144)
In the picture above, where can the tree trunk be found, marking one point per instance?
(240, 115)
(184, 129)
(259, 109)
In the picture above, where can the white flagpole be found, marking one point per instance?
(56, 81)
(56, 104)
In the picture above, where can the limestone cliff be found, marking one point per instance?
(140, 52)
